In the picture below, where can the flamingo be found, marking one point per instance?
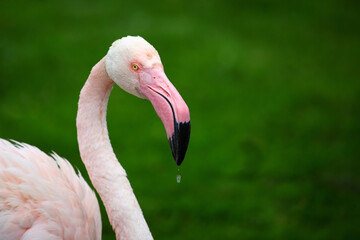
(42, 197)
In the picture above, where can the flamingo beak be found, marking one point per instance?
(170, 107)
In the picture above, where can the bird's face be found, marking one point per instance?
(134, 65)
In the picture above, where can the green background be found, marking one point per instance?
(273, 89)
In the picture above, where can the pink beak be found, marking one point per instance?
(170, 107)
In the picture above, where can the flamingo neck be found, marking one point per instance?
(106, 173)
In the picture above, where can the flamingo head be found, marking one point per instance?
(135, 65)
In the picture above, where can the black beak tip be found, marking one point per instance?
(179, 141)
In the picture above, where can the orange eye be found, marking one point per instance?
(135, 67)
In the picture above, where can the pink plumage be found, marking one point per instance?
(43, 197)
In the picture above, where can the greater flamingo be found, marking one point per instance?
(42, 197)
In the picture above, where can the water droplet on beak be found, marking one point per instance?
(178, 178)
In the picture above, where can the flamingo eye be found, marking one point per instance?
(135, 67)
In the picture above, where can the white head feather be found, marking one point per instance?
(125, 52)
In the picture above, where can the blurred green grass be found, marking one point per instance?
(273, 90)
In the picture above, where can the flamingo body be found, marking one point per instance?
(42, 197)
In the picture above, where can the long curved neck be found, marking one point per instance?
(106, 173)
